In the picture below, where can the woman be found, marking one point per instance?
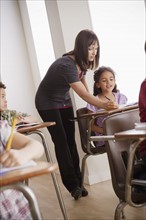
(53, 103)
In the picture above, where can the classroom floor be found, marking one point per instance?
(100, 204)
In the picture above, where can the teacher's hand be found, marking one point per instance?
(110, 105)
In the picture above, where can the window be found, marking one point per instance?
(41, 34)
(120, 27)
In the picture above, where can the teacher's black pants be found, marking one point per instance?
(63, 137)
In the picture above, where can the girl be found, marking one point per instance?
(13, 204)
(105, 88)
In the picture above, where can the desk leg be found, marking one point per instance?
(128, 185)
(56, 185)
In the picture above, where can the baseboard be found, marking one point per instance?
(100, 177)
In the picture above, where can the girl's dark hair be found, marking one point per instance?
(83, 41)
(97, 75)
(2, 86)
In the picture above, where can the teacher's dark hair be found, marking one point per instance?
(83, 41)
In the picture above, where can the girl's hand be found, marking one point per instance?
(20, 118)
(110, 105)
(12, 158)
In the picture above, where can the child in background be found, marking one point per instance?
(9, 114)
(141, 173)
(13, 205)
(105, 88)
(142, 113)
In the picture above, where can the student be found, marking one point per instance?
(141, 173)
(13, 205)
(53, 103)
(142, 114)
(105, 88)
(8, 114)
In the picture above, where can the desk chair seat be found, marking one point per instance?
(118, 152)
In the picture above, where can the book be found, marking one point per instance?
(140, 126)
(4, 170)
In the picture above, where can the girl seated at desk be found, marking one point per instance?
(105, 88)
(13, 204)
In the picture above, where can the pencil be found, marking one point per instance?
(8, 146)
(107, 98)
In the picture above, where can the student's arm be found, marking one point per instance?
(97, 129)
(80, 89)
(142, 102)
(23, 149)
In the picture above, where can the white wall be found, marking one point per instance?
(16, 69)
(120, 26)
(19, 64)
(15, 65)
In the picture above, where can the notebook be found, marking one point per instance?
(4, 170)
(140, 126)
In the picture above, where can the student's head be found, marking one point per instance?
(3, 101)
(104, 80)
(87, 49)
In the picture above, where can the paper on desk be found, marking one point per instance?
(140, 126)
(8, 169)
(128, 104)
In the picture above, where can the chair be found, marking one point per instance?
(37, 130)
(85, 119)
(15, 180)
(30, 196)
(121, 168)
(84, 124)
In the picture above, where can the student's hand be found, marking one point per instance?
(20, 118)
(110, 105)
(12, 158)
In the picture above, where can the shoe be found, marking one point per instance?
(84, 191)
(76, 193)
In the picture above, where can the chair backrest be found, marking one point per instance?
(117, 151)
(83, 124)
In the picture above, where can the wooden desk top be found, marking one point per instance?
(35, 127)
(131, 134)
(41, 168)
(105, 112)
